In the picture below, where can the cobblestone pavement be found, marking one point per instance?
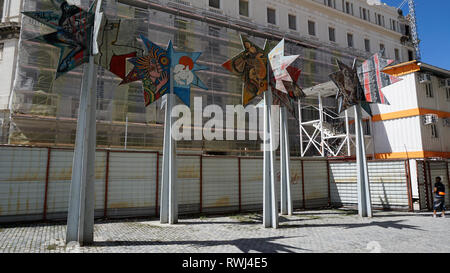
(305, 231)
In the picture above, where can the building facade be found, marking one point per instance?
(38, 109)
(416, 124)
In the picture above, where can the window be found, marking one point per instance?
(330, 3)
(332, 34)
(382, 50)
(367, 44)
(292, 22)
(350, 40)
(2, 45)
(410, 55)
(1, 9)
(271, 16)
(397, 54)
(366, 128)
(429, 90)
(347, 7)
(214, 4)
(364, 14)
(394, 25)
(243, 8)
(180, 38)
(434, 131)
(448, 93)
(312, 28)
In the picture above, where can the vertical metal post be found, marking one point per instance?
(303, 186)
(322, 140)
(126, 132)
(169, 204)
(105, 206)
(80, 218)
(425, 175)
(408, 185)
(270, 208)
(47, 174)
(347, 131)
(286, 200)
(300, 126)
(157, 184)
(240, 184)
(201, 183)
(448, 176)
(329, 183)
(364, 202)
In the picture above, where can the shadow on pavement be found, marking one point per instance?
(263, 245)
(387, 224)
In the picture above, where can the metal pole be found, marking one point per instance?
(364, 202)
(169, 204)
(270, 209)
(300, 126)
(286, 200)
(80, 215)
(80, 218)
(126, 131)
(322, 140)
(347, 131)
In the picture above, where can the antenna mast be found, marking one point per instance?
(413, 24)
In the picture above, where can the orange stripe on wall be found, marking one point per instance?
(417, 154)
(409, 113)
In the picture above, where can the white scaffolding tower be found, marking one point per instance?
(319, 135)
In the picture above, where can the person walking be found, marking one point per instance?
(439, 197)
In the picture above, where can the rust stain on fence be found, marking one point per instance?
(315, 195)
(119, 205)
(187, 172)
(222, 202)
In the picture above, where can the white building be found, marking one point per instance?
(36, 109)
(416, 124)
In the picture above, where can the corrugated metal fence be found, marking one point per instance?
(35, 182)
(390, 185)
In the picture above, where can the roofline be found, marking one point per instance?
(415, 66)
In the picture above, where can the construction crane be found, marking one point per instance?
(413, 24)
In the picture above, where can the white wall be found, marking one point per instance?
(7, 75)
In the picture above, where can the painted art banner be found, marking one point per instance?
(116, 44)
(184, 65)
(73, 33)
(373, 79)
(251, 66)
(350, 92)
(153, 70)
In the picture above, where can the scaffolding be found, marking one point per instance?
(44, 110)
(327, 134)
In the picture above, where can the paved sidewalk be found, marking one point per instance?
(305, 231)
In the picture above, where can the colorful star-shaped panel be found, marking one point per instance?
(279, 64)
(116, 44)
(153, 70)
(184, 65)
(294, 91)
(348, 80)
(373, 80)
(350, 91)
(73, 35)
(251, 66)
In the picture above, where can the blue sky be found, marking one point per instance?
(433, 18)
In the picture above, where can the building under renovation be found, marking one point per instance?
(37, 109)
